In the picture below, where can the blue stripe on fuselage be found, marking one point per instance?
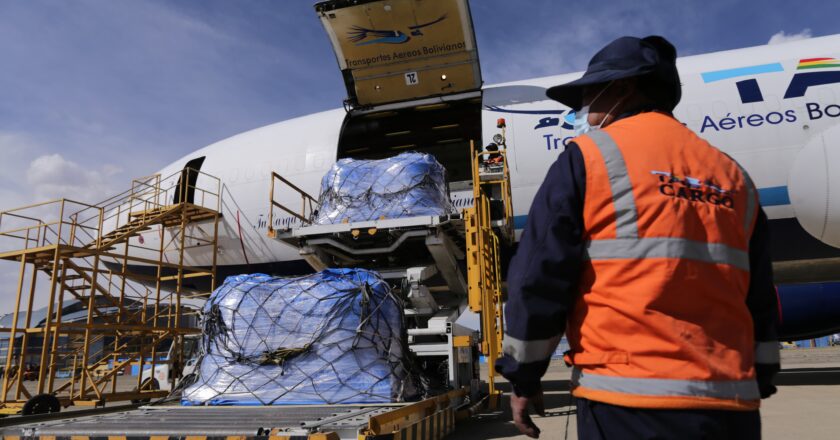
(774, 196)
(718, 75)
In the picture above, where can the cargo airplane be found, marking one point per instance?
(775, 109)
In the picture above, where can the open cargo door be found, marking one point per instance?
(397, 51)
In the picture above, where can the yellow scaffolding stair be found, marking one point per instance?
(86, 254)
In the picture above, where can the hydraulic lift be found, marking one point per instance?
(441, 265)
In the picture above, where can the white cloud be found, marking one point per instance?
(782, 37)
(52, 176)
(17, 149)
(24, 181)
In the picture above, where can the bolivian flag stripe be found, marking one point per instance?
(818, 63)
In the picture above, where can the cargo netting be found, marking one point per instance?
(407, 185)
(333, 337)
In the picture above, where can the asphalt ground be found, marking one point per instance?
(807, 405)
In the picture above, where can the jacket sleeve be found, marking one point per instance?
(763, 304)
(543, 274)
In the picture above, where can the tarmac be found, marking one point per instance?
(807, 405)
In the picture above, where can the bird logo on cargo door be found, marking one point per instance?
(364, 36)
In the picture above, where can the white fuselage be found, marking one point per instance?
(767, 145)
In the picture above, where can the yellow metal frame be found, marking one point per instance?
(434, 416)
(484, 274)
(66, 242)
(308, 203)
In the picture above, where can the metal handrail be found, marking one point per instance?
(306, 201)
(84, 226)
(153, 195)
(50, 232)
(20, 216)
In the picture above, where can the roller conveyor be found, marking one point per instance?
(345, 420)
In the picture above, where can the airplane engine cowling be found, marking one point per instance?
(814, 187)
(808, 310)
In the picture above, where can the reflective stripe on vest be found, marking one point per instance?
(529, 351)
(622, 191)
(666, 247)
(628, 245)
(729, 389)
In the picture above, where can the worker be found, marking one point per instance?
(647, 245)
(493, 158)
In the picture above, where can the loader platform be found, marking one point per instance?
(432, 418)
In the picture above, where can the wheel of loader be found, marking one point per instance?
(41, 404)
(146, 386)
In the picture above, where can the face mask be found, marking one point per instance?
(581, 125)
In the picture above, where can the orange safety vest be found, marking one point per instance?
(662, 320)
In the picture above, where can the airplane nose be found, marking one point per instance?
(814, 192)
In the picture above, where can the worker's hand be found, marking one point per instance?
(765, 376)
(520, 405)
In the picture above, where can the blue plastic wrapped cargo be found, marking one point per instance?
(327, 338)
(407, 185)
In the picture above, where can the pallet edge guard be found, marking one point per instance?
(100, 316)
(432, 418)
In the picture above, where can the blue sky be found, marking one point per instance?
(95, 92)
(98, 91)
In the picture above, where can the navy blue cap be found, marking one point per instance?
(625, 57)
